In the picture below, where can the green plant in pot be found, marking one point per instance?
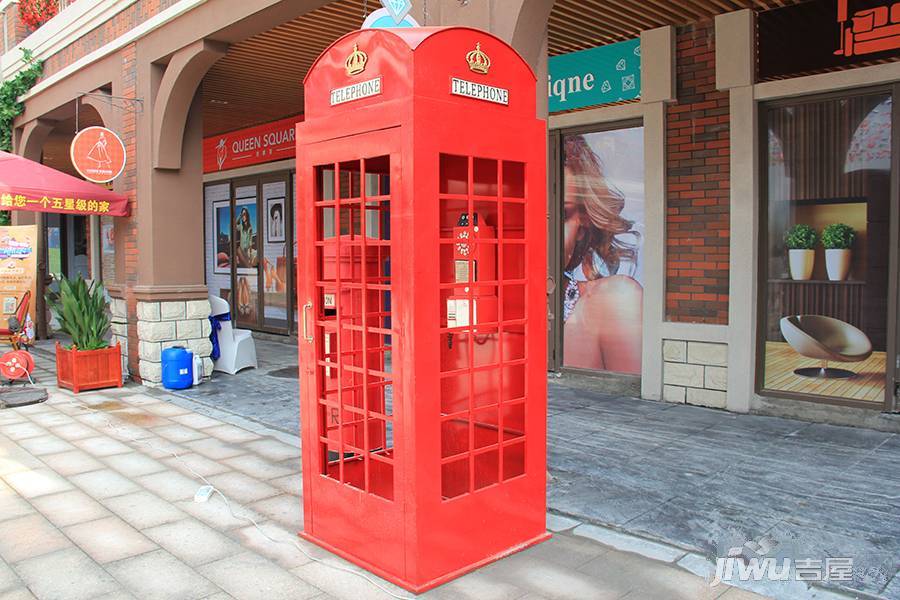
(89, 362)
(800, 241)
(837, 239)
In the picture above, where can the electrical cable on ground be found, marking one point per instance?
(123, 432)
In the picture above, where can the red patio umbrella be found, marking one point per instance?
(27, 185)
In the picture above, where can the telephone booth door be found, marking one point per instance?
(346, 346)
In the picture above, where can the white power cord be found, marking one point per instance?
(207, 490)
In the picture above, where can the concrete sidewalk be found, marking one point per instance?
(93, 504)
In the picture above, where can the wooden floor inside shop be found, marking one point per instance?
(868, 384)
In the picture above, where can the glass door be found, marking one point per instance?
(827, 224)
(600, 195)
(274, 262)
(246, 240)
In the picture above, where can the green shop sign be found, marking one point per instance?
(600, 75)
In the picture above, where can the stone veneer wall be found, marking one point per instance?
(695, 373)
(119, 328)
(164, 324)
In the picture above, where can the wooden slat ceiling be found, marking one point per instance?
(260, 79)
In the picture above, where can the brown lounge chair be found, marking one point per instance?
(826, 339)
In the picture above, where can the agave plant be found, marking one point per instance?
(81, 310)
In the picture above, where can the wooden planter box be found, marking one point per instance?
(80, 370)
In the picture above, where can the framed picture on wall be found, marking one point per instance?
(222, 229)
(275, 220)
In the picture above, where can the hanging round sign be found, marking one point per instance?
(98, 154)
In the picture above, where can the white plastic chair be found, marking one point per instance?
(236, 347)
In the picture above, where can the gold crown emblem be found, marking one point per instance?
(479, 62)
(356, 62)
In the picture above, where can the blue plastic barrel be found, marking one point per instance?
(177, 368)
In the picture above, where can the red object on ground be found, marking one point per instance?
(423, 346)
(16, 364)
(79, 370)
(27, 185)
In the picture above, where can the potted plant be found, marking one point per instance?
(837, 239)
(801, 241)
(90, 362)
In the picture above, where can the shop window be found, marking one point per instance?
(601, 246)
(826, 230)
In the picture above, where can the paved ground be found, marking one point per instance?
(698, 479)
(94, 504)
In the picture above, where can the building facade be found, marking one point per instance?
(686, 141)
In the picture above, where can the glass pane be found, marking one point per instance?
(217, 199)
(275, 259)
(246, 254)
(828, 187)
(602, 232)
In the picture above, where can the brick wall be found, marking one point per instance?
(697, 221)
(126, 229)
(15, 30)
(123, 22)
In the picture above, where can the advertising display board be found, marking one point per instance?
(251, 146)
(600, 75)
(98, 154)
(603, 225)
(18, 270)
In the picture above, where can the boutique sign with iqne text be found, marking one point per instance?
(601, 75)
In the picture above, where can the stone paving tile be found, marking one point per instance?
(170, 485)
(73, 431)
(285, 509)
(292, 484)
(14, 459)
(193, 542)
(102, 446)
(231, 434)
(160, 576)
(215, 448)
(22, 431)
(29, 536)
(104, 483)
(249, 576)
(179, 433)
(51, 418)
(143, 509)
(46, 444)
(475, 586)
(38, 482)
(285, 553)
(69, 508)
(273, 449)
(343, 585)
(134, 464)
(109, 539)
(12, 505)
(72, 462)
(8, 578)
(74, 576)
(17, 594)
(257, 467)
(165, 409)
(215, 512)
(242, 488)
(158, 448)
(196, 421)
(197, 463)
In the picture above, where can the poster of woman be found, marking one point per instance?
(602, 222)
(245, 235)
(222, 229)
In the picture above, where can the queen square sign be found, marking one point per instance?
(600, 75)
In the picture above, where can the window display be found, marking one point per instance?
(602, 227)
(827, 182)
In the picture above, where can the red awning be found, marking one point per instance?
(27, 185)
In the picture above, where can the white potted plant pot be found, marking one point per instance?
(837, 263)
(801, 263)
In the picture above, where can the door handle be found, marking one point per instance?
(306, 335)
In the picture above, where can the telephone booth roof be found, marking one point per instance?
(420, 62)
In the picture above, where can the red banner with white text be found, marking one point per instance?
(251, 146)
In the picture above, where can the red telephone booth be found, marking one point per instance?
(421, 172)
